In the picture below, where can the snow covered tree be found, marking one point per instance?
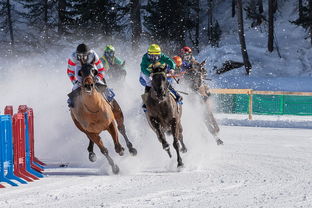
(241, 34)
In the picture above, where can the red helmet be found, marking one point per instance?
(186, 49)
(177, 60)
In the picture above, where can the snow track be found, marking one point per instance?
(257, 167)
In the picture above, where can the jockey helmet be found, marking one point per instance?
(82, 52)
(186, 49)
(109, 51)
(177, 60)
(186, 53)
(154, 49)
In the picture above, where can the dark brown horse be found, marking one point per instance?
(93, 114)
(195, 78)
(163, 113)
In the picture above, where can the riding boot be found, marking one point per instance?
(71, 97)
(106, 92)
(147, 89)
(176, 94)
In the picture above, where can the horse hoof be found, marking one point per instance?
(219, 142)
(115, 169)
(92, 157)
(121, 153)
(180, 165)
(133, 151)
(183, 150)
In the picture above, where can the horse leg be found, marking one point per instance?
(121, 127)
(160, 135)
(113, 132)
(97, 140)
(175, 133)
(183, 149)
(92, 156)
(212, 124)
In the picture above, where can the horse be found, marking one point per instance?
(163, 113)
(194, 77)
(116, 73)
(93, 114)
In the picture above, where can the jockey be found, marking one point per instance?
(187, 58)
(83, 55)
(109, 59)
(178, 61)
(152, 56)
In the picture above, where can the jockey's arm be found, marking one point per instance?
(99, 66)
(71, 69)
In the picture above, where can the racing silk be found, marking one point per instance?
(74, 66)
(107, 63)
(145, 64)
(186, 65)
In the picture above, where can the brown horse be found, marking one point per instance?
(92, 114)
(195, 78)
(163, 113)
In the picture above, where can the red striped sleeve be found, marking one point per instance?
(98, 62)
(101, 69)
(72, 78)
(70, 71)
(70, 62)
(100, 75)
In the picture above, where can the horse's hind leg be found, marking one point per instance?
(183, 148)
(160, 135)
(92, 156)
(113, 132)
(97, 140)
(175, 133)
(121, 127)
(212, 124)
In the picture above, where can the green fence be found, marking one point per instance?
(264, 104)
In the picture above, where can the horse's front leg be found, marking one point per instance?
(121, 127)
(113, 132)
(160, 134)
(183, 148)
(97, 140)
(92, 155)
(175, 133)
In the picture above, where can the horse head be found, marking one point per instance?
(196, 74)
(160, 84)
(88, 74)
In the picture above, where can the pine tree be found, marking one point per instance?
(241, 34)
(38, 16)
(168, 21)
(305, 17)
(100, 17)
(7, 21)
(135, 20)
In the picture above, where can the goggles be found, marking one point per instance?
(110, 53)
(153, 57)
(82, 57)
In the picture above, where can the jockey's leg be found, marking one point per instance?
(146, 82)
(176, 94)
(75, 91)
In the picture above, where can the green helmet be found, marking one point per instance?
(109, 48)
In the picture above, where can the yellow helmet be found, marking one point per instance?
(154, 49)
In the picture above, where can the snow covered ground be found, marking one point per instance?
(257, 167)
